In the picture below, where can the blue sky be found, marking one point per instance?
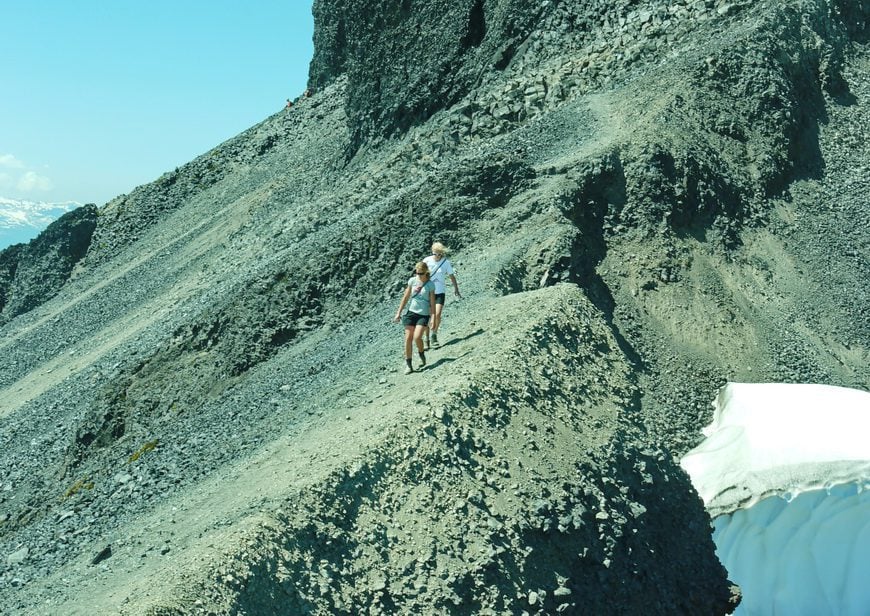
(101, 96)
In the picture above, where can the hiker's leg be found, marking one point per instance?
(436, 319)
(418, 338)
(409, 335)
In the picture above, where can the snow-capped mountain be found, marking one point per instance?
(21, 221)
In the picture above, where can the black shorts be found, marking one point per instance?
(439, 298)
(412, 319)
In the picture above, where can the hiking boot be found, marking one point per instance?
(408, 370)
(422, 360)
(434, 338)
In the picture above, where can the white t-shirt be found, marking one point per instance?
(438, 275)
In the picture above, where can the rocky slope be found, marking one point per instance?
(33, 273)
(645, 200)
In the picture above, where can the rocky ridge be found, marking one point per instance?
(32, 273)
(208, 417)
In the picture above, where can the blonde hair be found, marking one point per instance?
(439, 249)
(421, 269)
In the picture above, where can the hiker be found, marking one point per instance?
(420, 297)
(440, 267)
(289, 104)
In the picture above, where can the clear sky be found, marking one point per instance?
(100, 96)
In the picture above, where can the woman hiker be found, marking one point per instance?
(420, 297)
(440, 267)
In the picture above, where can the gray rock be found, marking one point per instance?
(18, 556)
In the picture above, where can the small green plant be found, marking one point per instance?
(149, 446)
(78, 486)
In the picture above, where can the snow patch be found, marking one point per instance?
(809, 555)
(769, 438)
(784, 471)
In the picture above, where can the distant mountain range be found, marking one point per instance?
(21, 221)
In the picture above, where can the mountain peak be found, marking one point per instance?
(22, 220)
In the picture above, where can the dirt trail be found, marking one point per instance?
(88, 351)
(236, 502)
(179, 254)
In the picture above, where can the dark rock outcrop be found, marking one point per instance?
(9, 259)
(404, 61)
(33, 273)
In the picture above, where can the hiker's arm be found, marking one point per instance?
(404, 301)
(432, 301)
(455, 285)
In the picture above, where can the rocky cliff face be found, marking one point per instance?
(644, 200)
(32, 274)
(404, 63)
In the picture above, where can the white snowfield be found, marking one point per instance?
(21, 221)
(784, 472)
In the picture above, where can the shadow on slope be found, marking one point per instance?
(486, 499)
(323, 280)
